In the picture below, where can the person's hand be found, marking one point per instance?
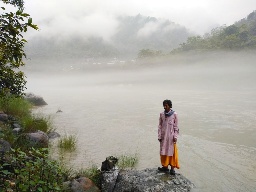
(174, 140)
(159, 140)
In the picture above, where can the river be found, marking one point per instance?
(115, 112)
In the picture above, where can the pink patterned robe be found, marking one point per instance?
(167, 130)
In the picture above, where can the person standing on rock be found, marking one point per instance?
(167, 136)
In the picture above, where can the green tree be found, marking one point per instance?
(12, 27)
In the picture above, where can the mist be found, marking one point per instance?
(119, 105)
(220, 69)
(84, 61)
(83, 16)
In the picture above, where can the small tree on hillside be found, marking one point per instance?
(12, 26)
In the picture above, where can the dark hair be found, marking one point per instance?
(168, 102)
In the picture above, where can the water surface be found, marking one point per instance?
(115, 112)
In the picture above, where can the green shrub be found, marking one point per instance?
(127, 161)
(67, 143)
(30, 171)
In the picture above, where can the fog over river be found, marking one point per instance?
(116, 112)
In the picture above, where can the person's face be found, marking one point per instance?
(166, 108)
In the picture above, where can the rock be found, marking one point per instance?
(16, 130)
(109, 163)
(34, 99)
(3, 117)
(83, 184)
(53, 135)
(4, 146)
(16, 125)
(59, 111)
(37, 139)
(150, 180)
(109, 173)
(108, 180)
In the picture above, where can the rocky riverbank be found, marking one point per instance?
(113, 180)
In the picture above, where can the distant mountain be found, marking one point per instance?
(140, 32)
(134, 33)
(240, 35)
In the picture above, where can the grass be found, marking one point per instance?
(67, 143)
(32, 123)
(15, 106)
(20, 109)
(127, 161)
(19, 112)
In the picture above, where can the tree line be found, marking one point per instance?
(240, 35)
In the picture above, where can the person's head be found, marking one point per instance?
(167, 105)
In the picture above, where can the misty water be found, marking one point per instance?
(115, 111)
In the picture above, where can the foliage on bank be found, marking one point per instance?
(30, 171)
(24, 168)
(240, 35)
(12, 27)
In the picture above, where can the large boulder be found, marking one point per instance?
(150, 180)
(35, 99)
(108, 180)
(109, 174)
(37, 139)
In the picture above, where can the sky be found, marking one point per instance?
(98, 17)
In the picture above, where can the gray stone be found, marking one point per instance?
(35, 99)
(150, 180)
(16, 131)
(53, 135)
(109, 164)
(108, 180)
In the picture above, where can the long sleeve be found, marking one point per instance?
(160, 127)
(175, 126)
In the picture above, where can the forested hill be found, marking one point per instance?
(140, 32)
(240, 35)
(132, 34)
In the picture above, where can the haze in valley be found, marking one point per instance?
(84, 61)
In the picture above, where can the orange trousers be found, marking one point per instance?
(173, 161)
